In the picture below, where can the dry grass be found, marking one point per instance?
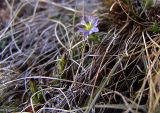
(46, 65)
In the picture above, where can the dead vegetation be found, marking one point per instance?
(47, 66)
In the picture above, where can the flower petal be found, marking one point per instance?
(95, 29)
(95, 22)
(91, 19)
(88, 25)
(82, 22)
(87, 19)
(90, 32)
(81, 30)
(86, 33)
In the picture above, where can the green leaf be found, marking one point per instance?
(33, 86)
(126, 1)
(155, 27)
(148, 3)
(94, 38)
(62, 63)
(37, 98)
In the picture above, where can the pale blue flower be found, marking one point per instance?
(88, 25)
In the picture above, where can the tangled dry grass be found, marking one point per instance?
(47, 66)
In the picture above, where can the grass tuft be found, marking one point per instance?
(47, 65)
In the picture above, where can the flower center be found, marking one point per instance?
(88, 26)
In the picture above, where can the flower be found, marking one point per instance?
(88, 25)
